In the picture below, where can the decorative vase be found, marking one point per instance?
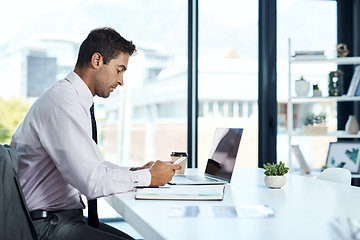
(275, 181)
(336, 83)
(352, 127)
(302, 88)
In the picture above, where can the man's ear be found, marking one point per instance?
(96, 60)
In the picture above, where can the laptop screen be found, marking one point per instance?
(223, 152)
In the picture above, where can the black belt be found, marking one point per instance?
(40, 214)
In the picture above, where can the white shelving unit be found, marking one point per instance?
(338, 134)
(338, 61)
(306, 100)
(324, 99)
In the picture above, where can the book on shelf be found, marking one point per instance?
(314, 55)
(357, 92)
(199, 192)
(299, 156)
(309, 53)
(354, 84)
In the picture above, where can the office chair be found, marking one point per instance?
(338, 175)
(15, 221)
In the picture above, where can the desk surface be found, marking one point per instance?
(304, 209)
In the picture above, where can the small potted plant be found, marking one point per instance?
(275, 174)
(315, 124)
(316, 91)
(302, 87)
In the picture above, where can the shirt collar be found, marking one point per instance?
(81, 88)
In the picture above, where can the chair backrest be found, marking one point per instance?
(15, 221)
(339, 175)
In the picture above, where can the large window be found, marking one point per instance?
(144, 120)
(228, 75)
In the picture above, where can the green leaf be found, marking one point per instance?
(275, 169)
(12, 112)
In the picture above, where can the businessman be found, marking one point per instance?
(59, 160)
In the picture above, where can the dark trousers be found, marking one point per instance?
(71, 225)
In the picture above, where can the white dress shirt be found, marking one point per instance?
(58, 158)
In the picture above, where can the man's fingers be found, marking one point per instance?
(176, 166)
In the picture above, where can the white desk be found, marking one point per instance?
(304, 208)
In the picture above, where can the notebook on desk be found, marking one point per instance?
(221, 161)
(182, 192)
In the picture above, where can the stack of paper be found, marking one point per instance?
(208, 192)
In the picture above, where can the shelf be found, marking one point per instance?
(338, 134)
(343, 98)
(320, 59)
(301, 61)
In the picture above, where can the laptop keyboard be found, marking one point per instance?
(200, 179)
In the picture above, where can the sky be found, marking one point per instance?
(224, 11)
(19, 12)
(16, 13)
(234, 14)
(239, 17)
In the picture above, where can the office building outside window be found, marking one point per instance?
(143, 120)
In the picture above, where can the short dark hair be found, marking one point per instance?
(106, 41)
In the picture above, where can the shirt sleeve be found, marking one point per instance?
(66, 136)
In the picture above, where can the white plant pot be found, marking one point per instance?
(302, 88)
(317, 93)
(315, 130)
(275, 181)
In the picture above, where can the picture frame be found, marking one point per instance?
(344, 155)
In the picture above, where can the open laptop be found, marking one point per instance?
(221, 161)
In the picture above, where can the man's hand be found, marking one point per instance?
(146, 166)
(162, 172)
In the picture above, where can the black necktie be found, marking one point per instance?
(92, 204)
